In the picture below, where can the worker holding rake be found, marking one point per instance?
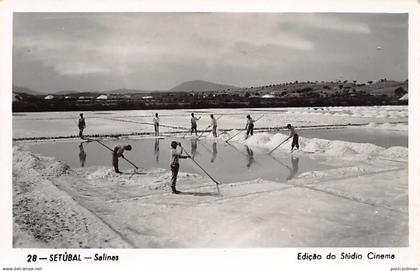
(118, 152)
(194, 123)
(175, 156)
(294, 134)
(249, 126)
(295, 141)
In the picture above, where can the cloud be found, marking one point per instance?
(126, 39)
(333, 22)
(194, 45)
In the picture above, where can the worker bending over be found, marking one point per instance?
(294, 134)
(118, 152)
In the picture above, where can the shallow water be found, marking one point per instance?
(225, 162)
(374, 136)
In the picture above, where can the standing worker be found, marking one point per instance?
(249, 126)
(214, 124)
(293, 133)
(118, 152)
(194, 123)
(175, 156)
(156, 124)
(82, 125)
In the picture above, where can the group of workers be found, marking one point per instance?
(176, 153)
(249, 125)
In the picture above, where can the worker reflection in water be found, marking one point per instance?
(82, 155)
(295, 167)
(251, 159)
(214, 125)
(157, 149)
(193, 147)
(214, 154)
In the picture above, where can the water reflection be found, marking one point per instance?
(250, 156)
(193, 147)
(231, 162)
(295, 167)
(82, 155)
(214, 153)
(157, 150)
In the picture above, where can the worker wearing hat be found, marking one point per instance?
(249, 126)
(294, 134)
(174, 164)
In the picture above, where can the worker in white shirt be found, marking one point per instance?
(294, 134)
(174, 164)
(194, 123)
(156, 124)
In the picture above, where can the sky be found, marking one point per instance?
(157, 51)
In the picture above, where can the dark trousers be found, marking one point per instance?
(115, 162)
(174, 169)
(250, 130)
(295, 142)
(215, 131)
(81, 132)
(156, 129)
(194, 128)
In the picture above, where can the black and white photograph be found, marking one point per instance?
(211, 130)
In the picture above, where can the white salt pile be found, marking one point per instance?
(323, 146)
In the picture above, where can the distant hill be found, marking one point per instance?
(290, 94)
(20, 90)
(91, 92)
(328, 89)
(78, 94)
(200, 85)
(65, 92)
(289, 90)
(384, 87)
(196, 85)
(125, 91)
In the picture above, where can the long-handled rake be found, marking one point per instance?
(216, 182)
(278, 146)
(241, 130)
(97, 140)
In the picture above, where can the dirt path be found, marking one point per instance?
(52, 218)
